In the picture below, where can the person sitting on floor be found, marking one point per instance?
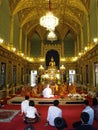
(60, 123)
(90, 111)
(32, 115)
(47, 92)
(95, 108)
(24, 105)
(84, 117)
(34, 92)
(53, 112)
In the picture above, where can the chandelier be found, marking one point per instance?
(49, 21)
(51, 36)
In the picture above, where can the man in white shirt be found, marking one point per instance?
(24, 105)
(47, 92)
(90, 111)
(53, 112)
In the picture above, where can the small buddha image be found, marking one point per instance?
(52, 62)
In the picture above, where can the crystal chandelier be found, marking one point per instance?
(51, 36)
(49, 21)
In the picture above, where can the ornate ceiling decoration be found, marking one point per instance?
(69, 12)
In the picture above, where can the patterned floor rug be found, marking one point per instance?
(7, 115)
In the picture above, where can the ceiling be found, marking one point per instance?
(69, 12)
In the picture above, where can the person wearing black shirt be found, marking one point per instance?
(84, 119)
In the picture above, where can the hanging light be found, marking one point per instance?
(51, 36)
(49, 21)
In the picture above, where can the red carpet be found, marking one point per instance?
(70, 112)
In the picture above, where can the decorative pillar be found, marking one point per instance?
(62, 52)
(78, 44)
(11, 30)
(97, 15)
(25, 48)
(29, 47)
(75, 49)
(42, 48)
(82, 40)
(20, 39)
(62, 71)
(7, 92)
(0, 2)
(13, 89)
(88, 31)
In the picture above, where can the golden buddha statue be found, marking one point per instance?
(51, 74)
(52, 62)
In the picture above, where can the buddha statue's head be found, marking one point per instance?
(52, 59)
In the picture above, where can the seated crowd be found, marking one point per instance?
(29, 112)
(54, 115)
(44, 90)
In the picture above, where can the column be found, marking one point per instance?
(62, 52)
(7, 92)
(75, 50)
(78, 44)
(88, 31)
(20, 39)
(97, 15)
(29, 48)
(42, 48)
(82, 40)
(11, 30)
(25, 48)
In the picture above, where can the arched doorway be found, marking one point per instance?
(52, 53)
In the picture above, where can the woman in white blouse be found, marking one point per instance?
(32, 115)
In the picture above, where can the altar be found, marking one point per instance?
(48, 101)
(52, 74)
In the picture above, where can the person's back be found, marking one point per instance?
(84, 117)
(90, 111)
(32, 115)
(85, 127)
(24, 105)
(31, 110)
(53, 112)
(60, 123)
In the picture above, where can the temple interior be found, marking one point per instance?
(35, 52)
(47, 45)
